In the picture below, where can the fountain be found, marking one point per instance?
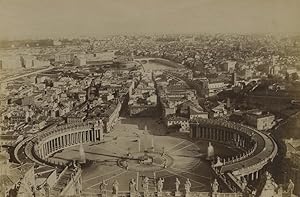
(210, 152)
(82, 154)
(146, 159)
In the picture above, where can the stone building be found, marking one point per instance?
(259, 120)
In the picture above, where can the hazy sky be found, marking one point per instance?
(60, 18)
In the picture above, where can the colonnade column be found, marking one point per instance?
(79, 138)
(55, 144)
(75, 138)
(83, 136)
(51, 146)
(48, 147)
(93, 136)
(60, 142)
(41, 151)
(88, 136)
(65, 140)
(72, 138)
(94, 133)
(44, 147)
(44, 150)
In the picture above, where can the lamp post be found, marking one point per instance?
(139, 144)
(152, 143)
(284, 178)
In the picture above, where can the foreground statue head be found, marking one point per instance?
(115, 187)
(102, 186)
(215, 186)
(160, 184)
(291, 186)
(132, 186)
(187, 186)
(177, 184)
(145, 184)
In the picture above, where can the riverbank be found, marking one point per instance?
(161, 61)
(166, 63)
(25, 74)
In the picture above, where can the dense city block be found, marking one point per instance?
(172, 114)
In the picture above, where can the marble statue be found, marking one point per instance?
(125, 164)
(132, 186)
(102, 186)
(160, 184)
(244, 183)
(146, 184)
(291, 187)
(177, 184)
(215, 186)
(219, 162)
(115, 187)
(270, 186)
(187, 186)
(210, 151)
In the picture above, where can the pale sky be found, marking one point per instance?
(62, 18)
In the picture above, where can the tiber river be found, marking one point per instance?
(155, 66)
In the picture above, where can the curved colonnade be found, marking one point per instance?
(38, 147)
(258, 149)
(55, 138)
(67, 135)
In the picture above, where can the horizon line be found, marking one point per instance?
(144, 33)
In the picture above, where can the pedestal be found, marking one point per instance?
(177, 193)
(146, 194)
(187, 194)
(159, 194)
(133, 194)
(214, 194)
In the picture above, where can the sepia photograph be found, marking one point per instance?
(149, 98)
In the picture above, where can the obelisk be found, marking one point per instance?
(152, 143)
